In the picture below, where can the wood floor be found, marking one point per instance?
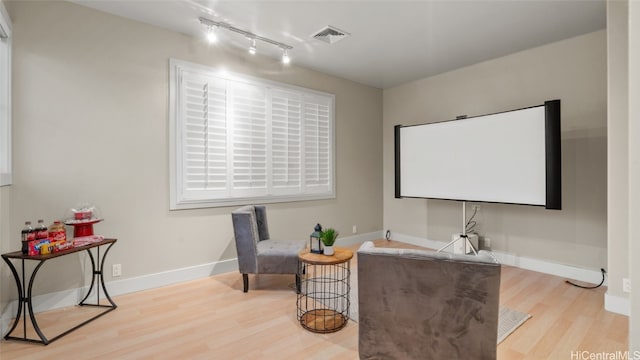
(212, 318)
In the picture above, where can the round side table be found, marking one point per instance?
(323, 301)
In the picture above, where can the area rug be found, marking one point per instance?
(508, 321)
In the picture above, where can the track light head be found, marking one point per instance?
(212, 37)
(285, 56)
(252, 48)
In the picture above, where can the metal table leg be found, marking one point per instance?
(25, 299)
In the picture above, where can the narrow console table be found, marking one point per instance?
(25, 293)
(323, 300)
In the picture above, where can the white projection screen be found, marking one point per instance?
(511, 157)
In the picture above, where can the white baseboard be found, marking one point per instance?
(418, 241)
(359, 238)
(543, 266)
(617, 304)
(552, 268)
(151, 281)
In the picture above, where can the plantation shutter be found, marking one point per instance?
(249, 155)
(205, 137)
(317, 151)
(286, 142)
(242, 140)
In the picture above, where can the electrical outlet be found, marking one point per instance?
(626, 285)
(475, 207)
(116, 270)
(487, 243)
(354, 229)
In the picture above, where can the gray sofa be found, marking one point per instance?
(257, 252)
(416, 304)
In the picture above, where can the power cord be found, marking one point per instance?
(589, 287)
(471, 224)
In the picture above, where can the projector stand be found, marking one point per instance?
(464, 232)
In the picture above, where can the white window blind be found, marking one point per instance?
(237, 139)
(5, 97)
(316, 137)
(286, 141)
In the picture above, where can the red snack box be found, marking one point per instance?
(62, 246)
(35, 246)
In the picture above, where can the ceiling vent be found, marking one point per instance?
(330, 35)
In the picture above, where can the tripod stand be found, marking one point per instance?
(463, 236)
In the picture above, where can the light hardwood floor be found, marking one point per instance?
(212, 318)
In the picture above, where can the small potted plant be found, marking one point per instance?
(328, 238)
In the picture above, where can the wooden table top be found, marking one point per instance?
(339, 256)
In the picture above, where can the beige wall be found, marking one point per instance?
(574, 71)
(6, 279)
(90, 103)
(634, 172)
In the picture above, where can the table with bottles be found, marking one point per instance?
(25, 291)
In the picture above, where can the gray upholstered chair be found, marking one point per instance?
(416, 304)
(257, 252)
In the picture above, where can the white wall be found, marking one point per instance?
(572, 70)
(617, 149)
(91, 124)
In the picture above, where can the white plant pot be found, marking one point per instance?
(328, 250)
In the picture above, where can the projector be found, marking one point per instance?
(461, 246)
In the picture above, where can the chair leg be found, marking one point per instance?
(297, 283)
(245, 282)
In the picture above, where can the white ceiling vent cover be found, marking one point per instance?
(330, 34)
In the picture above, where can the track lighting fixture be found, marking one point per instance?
(213, 25)
(252, 48)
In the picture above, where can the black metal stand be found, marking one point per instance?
(26, 297)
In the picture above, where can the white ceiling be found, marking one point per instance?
(391, 42)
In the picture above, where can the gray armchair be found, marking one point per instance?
(416, 304)
(257, 252)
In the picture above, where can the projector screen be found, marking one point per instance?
(510, 157)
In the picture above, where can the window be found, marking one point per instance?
(5, 97)
(236, 139)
